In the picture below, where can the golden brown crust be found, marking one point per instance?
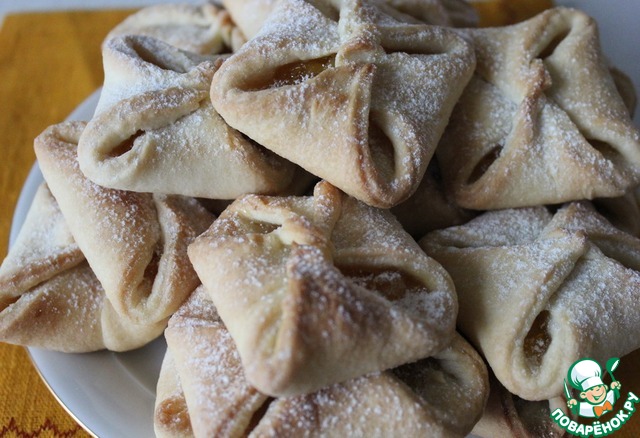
(541, 122)
(50, 297)
(539, 291)
(439, 396)
(203, 29)
(135, 242)
(156, 131)
(365, 88)
(317, 290)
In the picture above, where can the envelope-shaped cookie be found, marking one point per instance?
(155, 129)
(541, 121)
(440, 396)
(250, 15)
(539, 291)
(50, 298)
(203, 29)
(360, 102)
(136, 243)
(317, 290)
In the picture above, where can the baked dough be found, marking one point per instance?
(541, 121)
(430, 207)
(171, 417)
(203, 29)
(250, 15)
(318, 290)
(538, 291)
(155, 129)
(508, 416)
(220, 402)
(50, 298)
(440, 396)
(136, 243)
(360, 102)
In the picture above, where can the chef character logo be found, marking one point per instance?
(596, 398)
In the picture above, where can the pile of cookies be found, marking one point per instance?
(347, 217)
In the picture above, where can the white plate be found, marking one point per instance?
(112, 394)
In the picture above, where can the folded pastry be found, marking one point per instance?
(440, 396)
(49, 296)
(136, 243)
(360, 102)
(155, 129)
(625, 88)
(250, 15)
(508, 416)
(171, 417)
(218, 398)
(317, 290)
(539, 291)
(541, 121)
(203, 29)
(430, 208)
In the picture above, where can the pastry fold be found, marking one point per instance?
(49, 296)
(539, 291)
(440, 396)
(156, 131)
(541, 121)
(430, 207)
(318, 290)
(508, 416)
(360, 100)
(136, 243)
(203, 29)
(250, 15)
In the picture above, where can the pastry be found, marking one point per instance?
(538, 291)
(430, 208)
(318, 290)
(250, 15)
(135, 242)
(219, 400)
(49, 296)
(155, 129)
(203, 29)
(171, 417)
(440, 396)
(360, 102)
(508, 416)
(541, 121)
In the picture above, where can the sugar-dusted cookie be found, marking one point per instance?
(320, 289)
(538, 291)
(541, 121)
(50, 297)
(440, 396)
(204, 28)
(136, 243)
(357, 98)
(250, 15)
(156, 131)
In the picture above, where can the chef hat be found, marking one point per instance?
(585, 374)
